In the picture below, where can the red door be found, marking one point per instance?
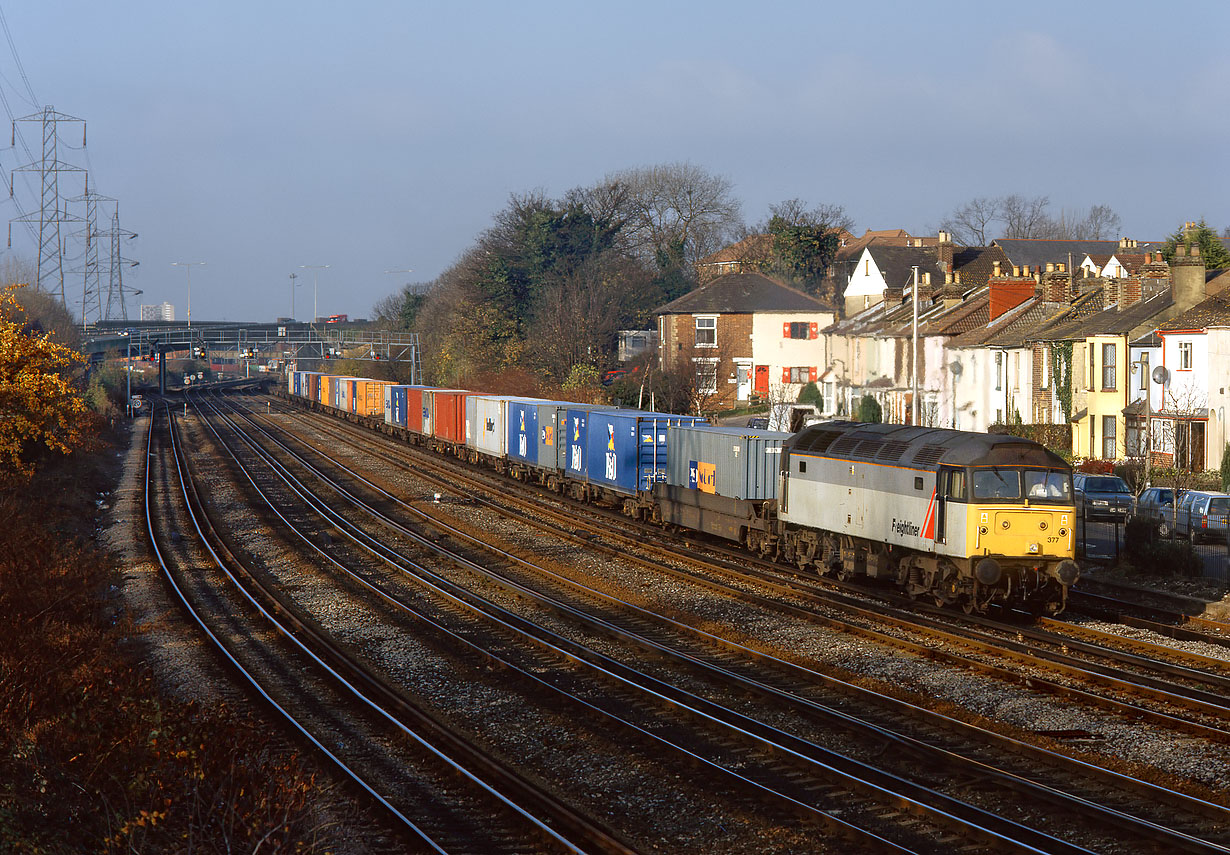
(762, 379)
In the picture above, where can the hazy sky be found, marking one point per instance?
(262, 135)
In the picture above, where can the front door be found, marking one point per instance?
(762, 380)
(743, 385)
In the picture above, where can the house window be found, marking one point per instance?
(830, 403)
(800, 374)
(1045, 352)
(706, 376)
(798, 329)
(1185, 356)
(1092, 421)
(1109, 438)
(1144, 371)
(706, 332)
(1092, 369)
(999, 370)
(1108, 366)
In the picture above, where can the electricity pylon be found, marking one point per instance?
(50, 214)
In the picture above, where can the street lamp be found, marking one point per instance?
(189, 265)
(314, 268)
(293, 286)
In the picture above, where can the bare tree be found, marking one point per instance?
(968, 224)
(673, 206)
(580, 314)
(1099, 223)
(1173, 434)
(795, 212)
(1025, 218)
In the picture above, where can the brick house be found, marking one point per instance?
(744, 335)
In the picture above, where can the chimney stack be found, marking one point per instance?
(1187, 276)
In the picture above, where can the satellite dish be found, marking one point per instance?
(956, 368)
(1161, 375)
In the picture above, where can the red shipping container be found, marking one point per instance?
(448, 414)
(414, 409)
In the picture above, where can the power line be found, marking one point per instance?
(17, 59)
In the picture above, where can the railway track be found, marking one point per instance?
(1083, 808)
(441, 793)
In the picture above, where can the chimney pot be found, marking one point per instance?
(956, 276)
(1180, 251)
(1063, 267)
(926, 278)
(1050, 267)
(948, 278)
(1016, 270)
(996, 268)
(1195, 250)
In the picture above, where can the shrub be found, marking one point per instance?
(869, 410)
(1148, 553)
(809, 394)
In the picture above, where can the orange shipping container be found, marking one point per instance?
(368, 398)
(326, 389)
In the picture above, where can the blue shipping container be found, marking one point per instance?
(576, 431)
(397, 408)
(538, 432)
(522, 440)
(625, 450)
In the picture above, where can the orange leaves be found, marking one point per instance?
(40, 409)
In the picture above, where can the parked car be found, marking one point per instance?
(1157, 505)
(1203, 515)
(1105, 497)
(758, 422)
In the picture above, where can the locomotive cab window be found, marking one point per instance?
(802, 465)
(997, 484)
(1056, 486)
(952, 484)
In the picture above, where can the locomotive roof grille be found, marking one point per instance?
(893, 450)
(929, 455)
(821, 440)
(843, 446)
(868, 448)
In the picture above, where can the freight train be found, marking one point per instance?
(962, 519)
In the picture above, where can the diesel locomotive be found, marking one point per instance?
(968, 519)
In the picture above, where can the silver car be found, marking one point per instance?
(1203, 516)
(1158, 505)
